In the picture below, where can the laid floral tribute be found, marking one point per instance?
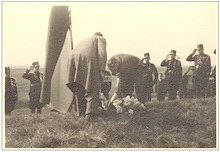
(125, 105)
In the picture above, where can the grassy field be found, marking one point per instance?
(177, 124)
(168, 124)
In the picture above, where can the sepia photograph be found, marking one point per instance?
(110, 75)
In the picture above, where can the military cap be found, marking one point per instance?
(7, 69)
(35, 64)
(146, 55)
(173, 52)
(200, 46)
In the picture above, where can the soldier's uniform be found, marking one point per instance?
(11, 95)
(144, 80)
(160, 89)
(173, 75)
(213, 82)
(203, 69)
(187, 85)
(213, 75)
(35, 88)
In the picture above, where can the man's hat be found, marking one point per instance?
(173, 52)
(146, 55)
(98, 34)
(7, 69)
(200, 46)
(35, 64)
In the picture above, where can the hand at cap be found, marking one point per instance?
(194, 51)
(31, 68)
(167, 57)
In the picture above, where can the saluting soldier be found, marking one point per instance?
(11, 95)
(203, 69)
(35, 78)
(173, 74)
(146, 78)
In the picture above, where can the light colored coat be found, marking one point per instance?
(87, 60)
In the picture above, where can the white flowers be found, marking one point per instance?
(128, 105)
(123, 105)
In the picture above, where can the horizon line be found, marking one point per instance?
(42, 66)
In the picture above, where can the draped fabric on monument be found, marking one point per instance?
(58, 49)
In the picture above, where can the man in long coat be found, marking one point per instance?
(203, 69)
(86, 72)
(173, 74)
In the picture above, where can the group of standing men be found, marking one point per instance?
(35, 77)
(142, 75)
(88, 65)
(87, 72)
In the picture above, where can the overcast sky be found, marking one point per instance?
(129, 27)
